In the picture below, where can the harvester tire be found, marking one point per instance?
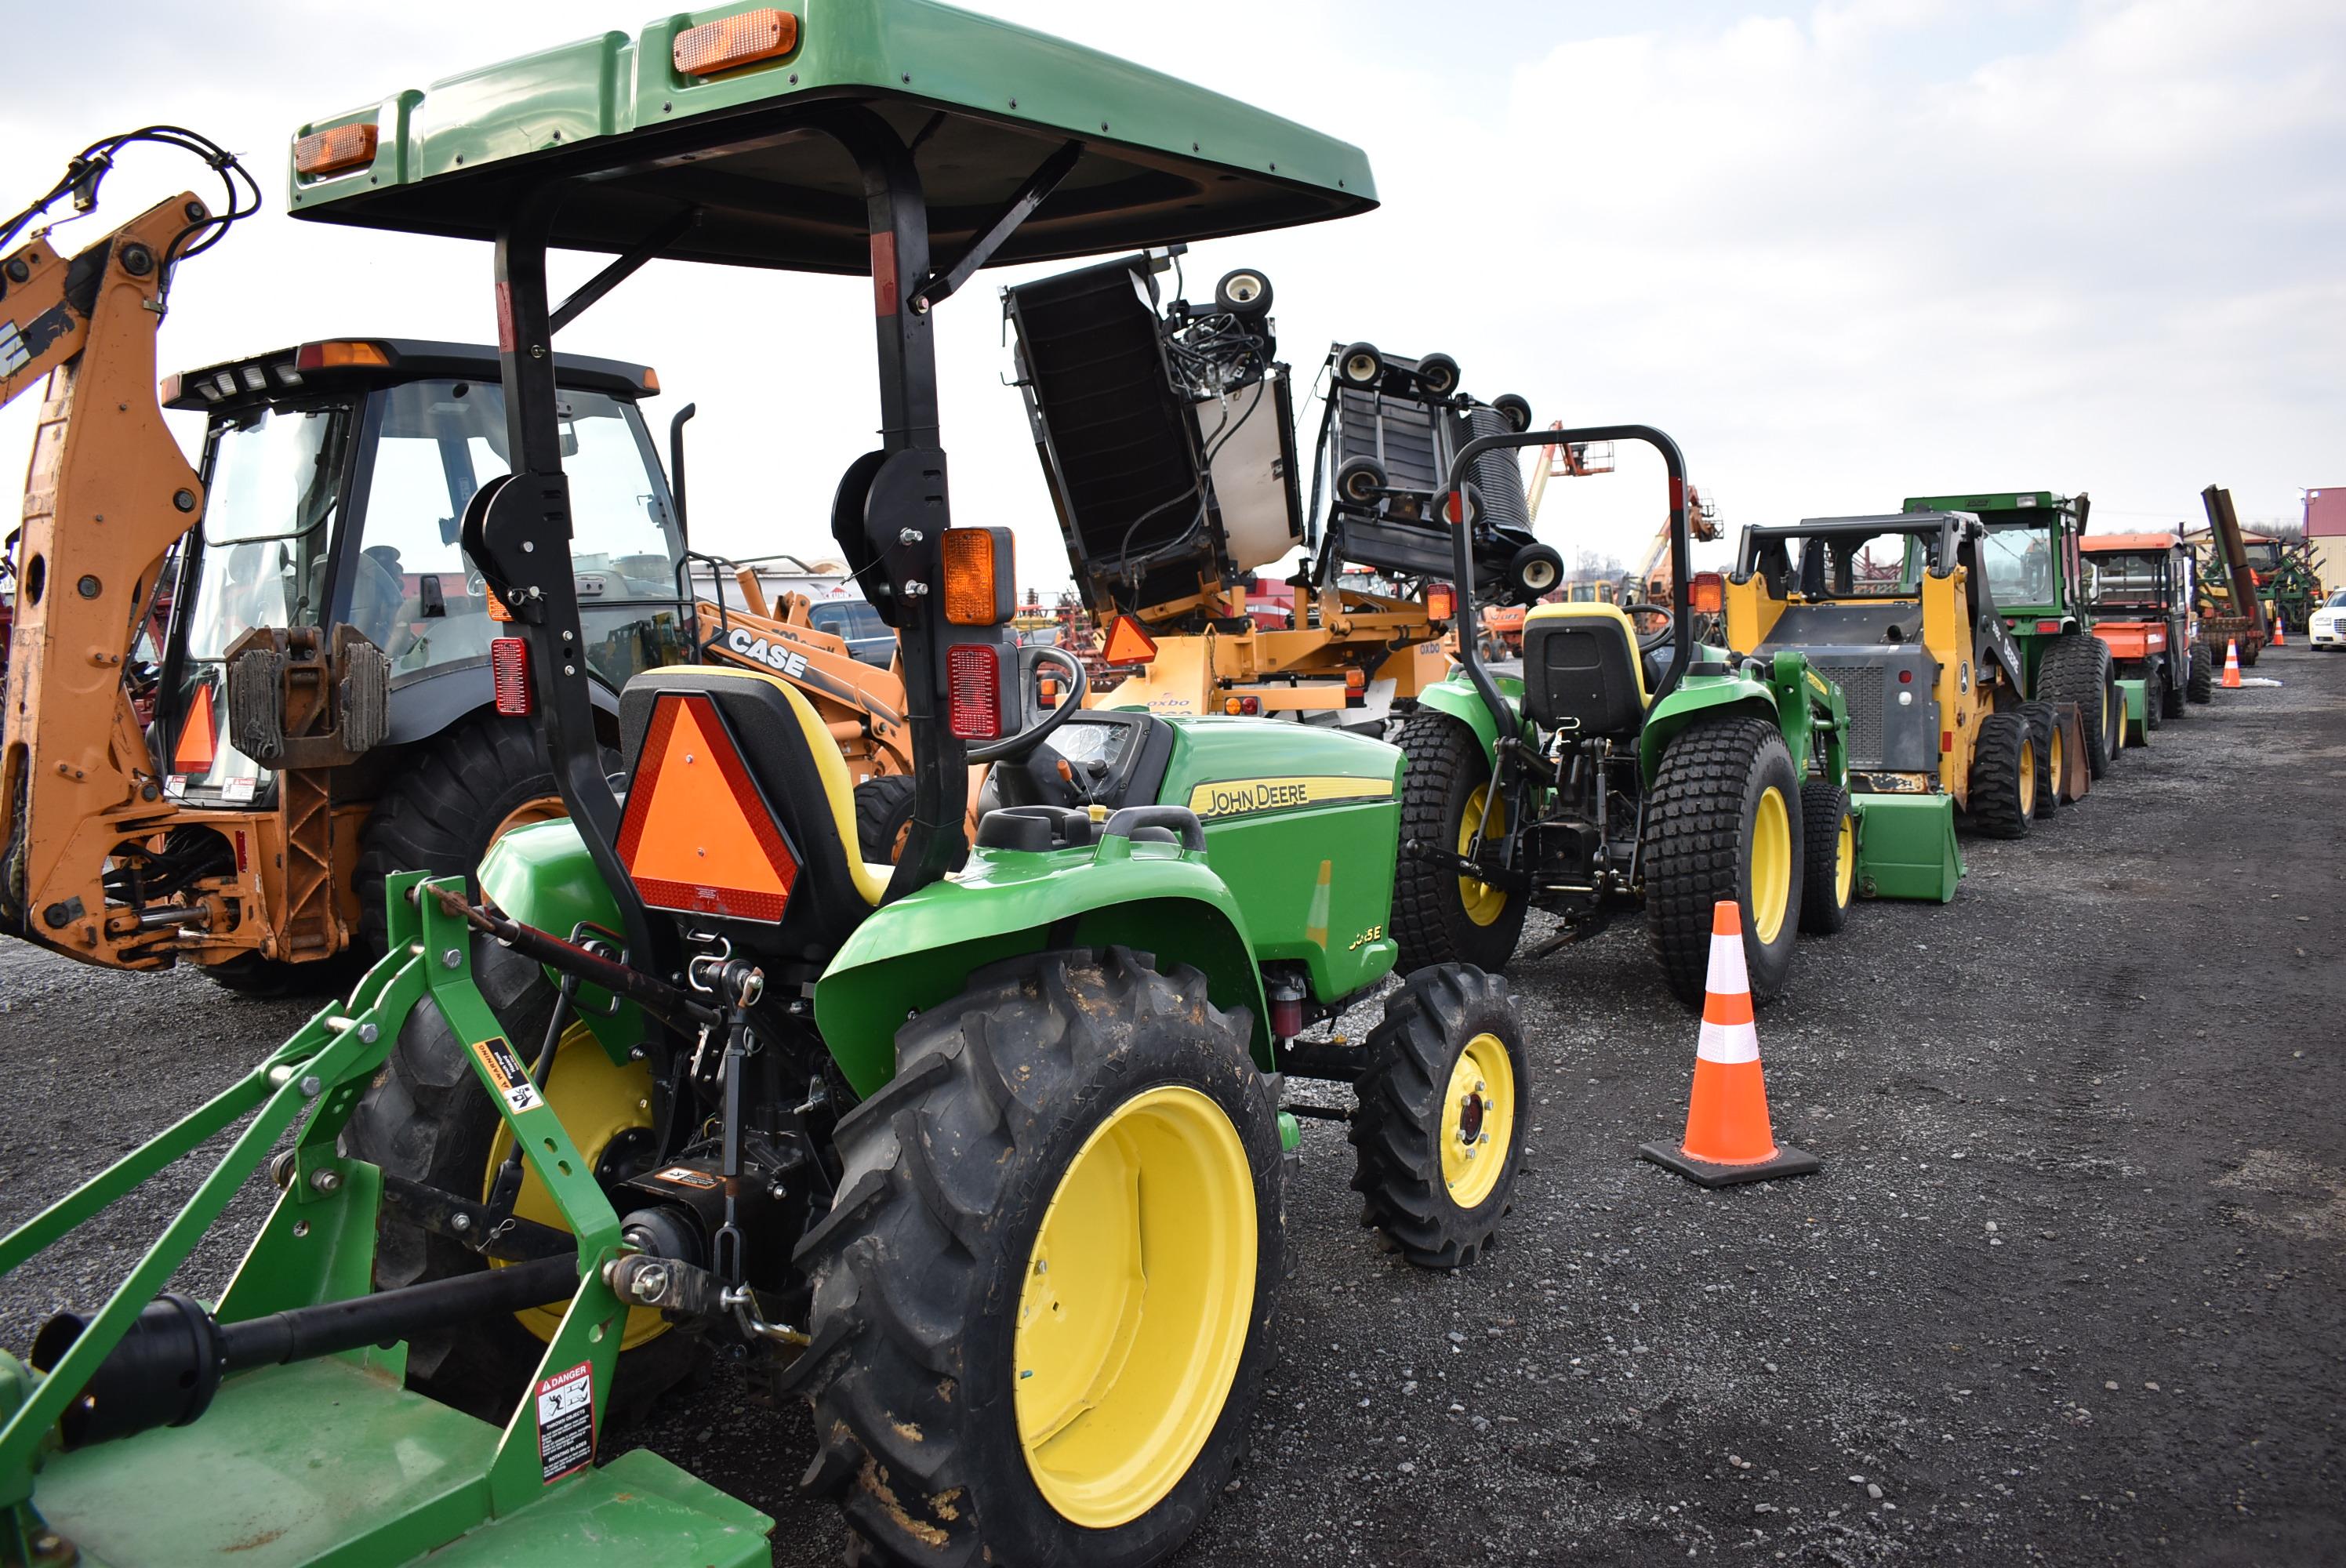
(2002, 797)
(2077, 670)
(427, 1118)
(1439, 1134)
(1438, 916)
(2201, 686)
(2044, 734)
(883, 814)
(1711, 834)
(1071, 1123)
(1828, 848)
(449, 801)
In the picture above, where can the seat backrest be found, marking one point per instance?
(740, 812)
(1581, 673)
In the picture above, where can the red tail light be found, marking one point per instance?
(973, 695)
(1946, 740)
(1905, 678)
(2048, 628)
(509, 665)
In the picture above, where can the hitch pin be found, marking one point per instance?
(744, 1302)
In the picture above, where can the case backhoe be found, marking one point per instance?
(989, 1168)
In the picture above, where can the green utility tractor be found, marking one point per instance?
(2031, 566)
(989, 1168)
(1897, 610)
(1620, 764)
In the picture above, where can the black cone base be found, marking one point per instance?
(1788, 1162)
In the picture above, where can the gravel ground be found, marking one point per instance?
(2072, 1287)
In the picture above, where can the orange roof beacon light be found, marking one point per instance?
(732, 42)
(697, 837)
(1125, 642)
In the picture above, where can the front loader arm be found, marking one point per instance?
(107, 495)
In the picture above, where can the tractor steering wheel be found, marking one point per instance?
(1654, 639)
(1019, 746)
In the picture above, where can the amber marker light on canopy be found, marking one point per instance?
(735, 41)
(332, 151)
(1441, 603)
(1705, 593)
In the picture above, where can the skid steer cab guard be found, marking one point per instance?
(981, 1153)
(1621, 762)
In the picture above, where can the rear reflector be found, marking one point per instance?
(742, 40)
(509, 666)
(1125, 642)
(331, 151)
(2048, 628)
(973, 692)
(697, 836)
(1946, 740)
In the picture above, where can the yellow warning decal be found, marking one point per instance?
(1237, 797)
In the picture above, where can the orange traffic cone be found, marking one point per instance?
(2231, 681)
(2279, 627)
(1728, 1139)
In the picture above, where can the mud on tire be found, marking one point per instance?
(1699, 818)
(949, 1171)
(1438, 1022)
(1432, 921)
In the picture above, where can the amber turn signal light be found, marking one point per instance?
(1441, 603)
(977, 572)
(332, 151)
(734, 41)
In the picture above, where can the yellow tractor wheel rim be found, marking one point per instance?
(2053, 753)
(1478, 1120)
(1772, 865)
(1845, 859)
(598, 1100)
(2028, 777)
(1484, 903)
(1135, 1307)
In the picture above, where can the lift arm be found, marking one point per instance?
(107, 495)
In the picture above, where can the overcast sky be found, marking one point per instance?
(1844, 252)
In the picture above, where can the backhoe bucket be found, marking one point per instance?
(1906, 847)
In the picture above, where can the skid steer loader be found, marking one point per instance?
(988, 1168)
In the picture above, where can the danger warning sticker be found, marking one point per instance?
(685, 1175)
(565, 1421)
(505, 1071)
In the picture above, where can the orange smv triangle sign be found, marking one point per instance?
(199, 736)
(696, 836)
(1126, 643)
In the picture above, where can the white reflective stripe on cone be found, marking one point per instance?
(1728, 976)
(1728, 1044)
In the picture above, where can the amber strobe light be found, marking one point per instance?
(733, 41)
(332, 151)
(509, 671)
(973, 696)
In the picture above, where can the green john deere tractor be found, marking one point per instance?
(1617, 765)
(2032, 565)
(988, 1168)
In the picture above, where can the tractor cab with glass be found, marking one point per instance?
(982, 1153)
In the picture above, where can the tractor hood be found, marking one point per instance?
(640, 139)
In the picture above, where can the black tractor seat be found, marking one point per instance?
(1582, 672)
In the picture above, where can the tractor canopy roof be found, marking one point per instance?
(1914, 520)
(2006, 508)
(2100, 544)
(723, 113)
(341, 362)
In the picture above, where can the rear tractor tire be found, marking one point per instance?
(2170, 687)
(2002, 797)
(1439, 916)
(1043, 1302)
(454, 796)
(1723, 822)
(1439, 1134)
(2077, 670)
(2201, 685)
(427, 1118)
(2052, 754)
(1829, 850)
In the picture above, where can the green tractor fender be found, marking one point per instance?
(912, 954)
(1459, 699)
(920, 951)
(1707, 697)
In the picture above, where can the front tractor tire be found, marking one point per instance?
(1439, 916)
(1723, 822)
(1439, 1134)
(2002, 797)
(1041, 1304)
(1828, 849)
(2045, 735)
(454, 796)
(883, 815)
